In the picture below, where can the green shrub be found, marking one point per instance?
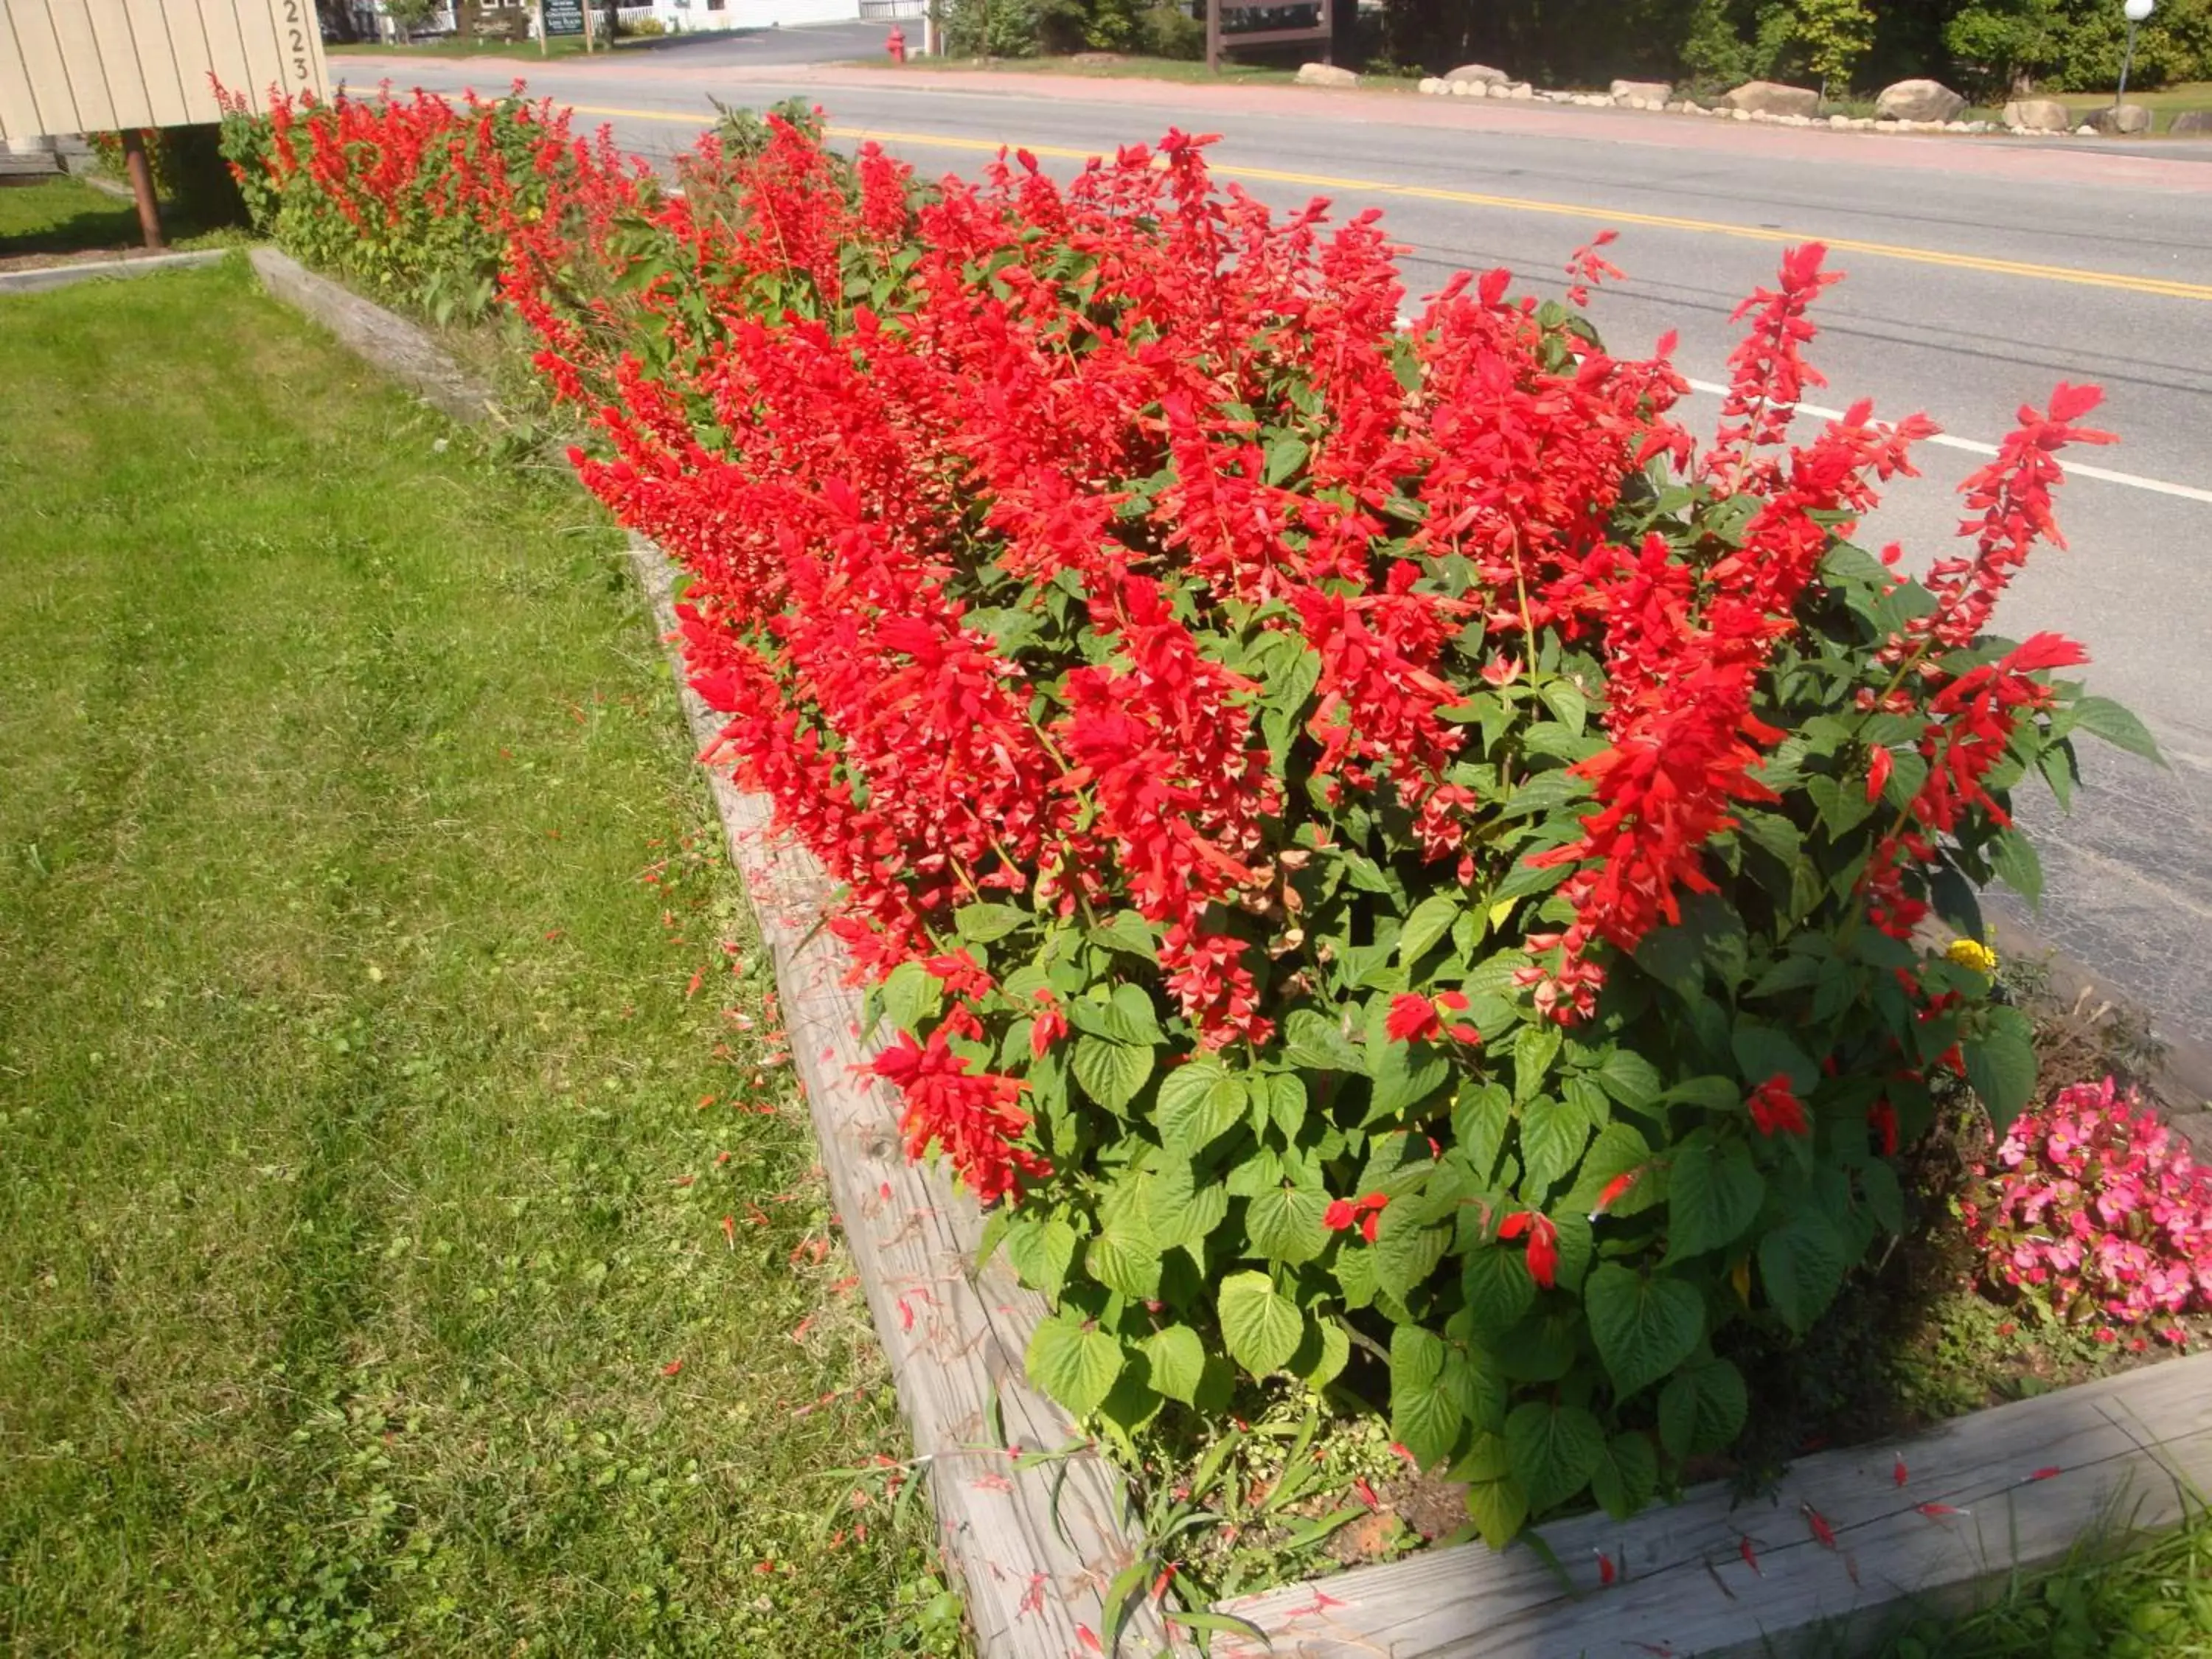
(1362, 836)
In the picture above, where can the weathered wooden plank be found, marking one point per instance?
(2027, 1481)
(1036, 1548)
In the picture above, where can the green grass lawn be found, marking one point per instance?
(366, 1140)
(2152, 1602)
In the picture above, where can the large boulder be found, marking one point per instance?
(2038, 115)
(2124, 121)
(2191, 123)
(1480, 74)
(1326, 75)
(1769, 98)
(1651, 92)
(1918, 100)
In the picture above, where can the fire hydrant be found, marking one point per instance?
(896, 45)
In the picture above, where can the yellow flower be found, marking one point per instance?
(1971, 953)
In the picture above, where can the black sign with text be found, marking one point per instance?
(563, 16)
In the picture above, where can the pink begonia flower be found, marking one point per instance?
(2092, 1206)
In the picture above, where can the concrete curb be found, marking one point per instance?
(1036, 1546)
(39, 278)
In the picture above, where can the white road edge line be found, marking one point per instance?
(2073, 469)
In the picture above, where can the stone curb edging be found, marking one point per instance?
(1035, 1547)
(38, 278)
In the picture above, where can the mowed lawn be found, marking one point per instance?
(401, 1250)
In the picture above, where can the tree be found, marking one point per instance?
(1833, 36)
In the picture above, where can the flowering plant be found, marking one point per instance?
(1357, 834)
(2094, 1207)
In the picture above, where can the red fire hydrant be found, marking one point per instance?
(896, 45)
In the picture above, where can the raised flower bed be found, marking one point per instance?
(1383, 858)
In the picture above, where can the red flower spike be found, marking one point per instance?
(1821, 1529)
(1612, 1191)
(1606, 1570)
(1543, 1244)
(1899, 1475)
(1776, 1109)
(1750, 1555)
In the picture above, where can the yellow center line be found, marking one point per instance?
(1360, 187)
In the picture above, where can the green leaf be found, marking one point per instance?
(981, 923)
(1042, 1252)
(1843, 805)
(1535, 1050)
(1074, 1366)
(1702, 1409)
(1177, 1359)
(1199, 1101)
(1284, 1224)
(1130, 1017)
(1431, 920)
(1285, 1097)
(1111, 1074)
(1566, 700)
(2001, 1065)
(1126, 1258)
(1627, 1477)
(1129, 933)
(1499, 1509)
(2116, 724)
(1324, 1355)
(1714, 1193)
(1762, 1051)
(2014, 858)
(1404, 1077)
(1261, 1328)
(1801, 1266)
(1554, 1134)
(1643, 1328)
(1406, 1252)
(1285, 453)
(1425, 1413)
(1553, 1450)
(1315, 1041)
(1499, 1292)
(1480, 1121)
(911, 995)
(1629, 1078)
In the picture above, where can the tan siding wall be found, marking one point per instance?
(93, 65)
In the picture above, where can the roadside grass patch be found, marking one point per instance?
(400, 1249)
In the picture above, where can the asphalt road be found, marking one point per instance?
(1981, 276)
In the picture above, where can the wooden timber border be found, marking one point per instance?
(2010, 1489)
(2003, 1491)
